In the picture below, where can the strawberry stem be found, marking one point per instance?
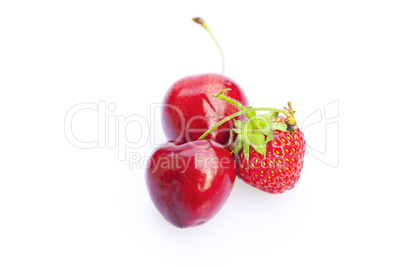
(291, 121)
(230, 117)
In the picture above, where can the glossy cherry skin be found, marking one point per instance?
(190, 182)
(196, 111)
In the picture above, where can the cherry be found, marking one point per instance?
(190, 110)
(190, 182)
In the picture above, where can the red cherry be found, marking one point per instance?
(189, 108)
(190, 182)
(196, 111)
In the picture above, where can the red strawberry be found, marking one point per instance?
(280, 169)
(269, 150)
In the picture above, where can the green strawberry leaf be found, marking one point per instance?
(255, 134)
(238, 123)
(237, 145)
(268, 132)
(231, 136)
(269, 116)
(260, 122)
(257, 141)
(279, 126)
(245, 129)
(246, 151)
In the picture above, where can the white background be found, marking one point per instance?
(61, 206)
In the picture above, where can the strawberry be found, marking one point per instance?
(269, 149)
(280, 168)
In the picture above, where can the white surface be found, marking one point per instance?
(61, 206)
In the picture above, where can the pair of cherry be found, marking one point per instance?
(188, 179)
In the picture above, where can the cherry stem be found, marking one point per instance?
(205, 26)
(230, 117)
(234, 103)
(231, 101)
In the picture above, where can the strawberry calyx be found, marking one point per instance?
(257, 130)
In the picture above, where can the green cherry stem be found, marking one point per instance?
(227, 99)
(234, 103)
(230, 117)
(204, 25)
